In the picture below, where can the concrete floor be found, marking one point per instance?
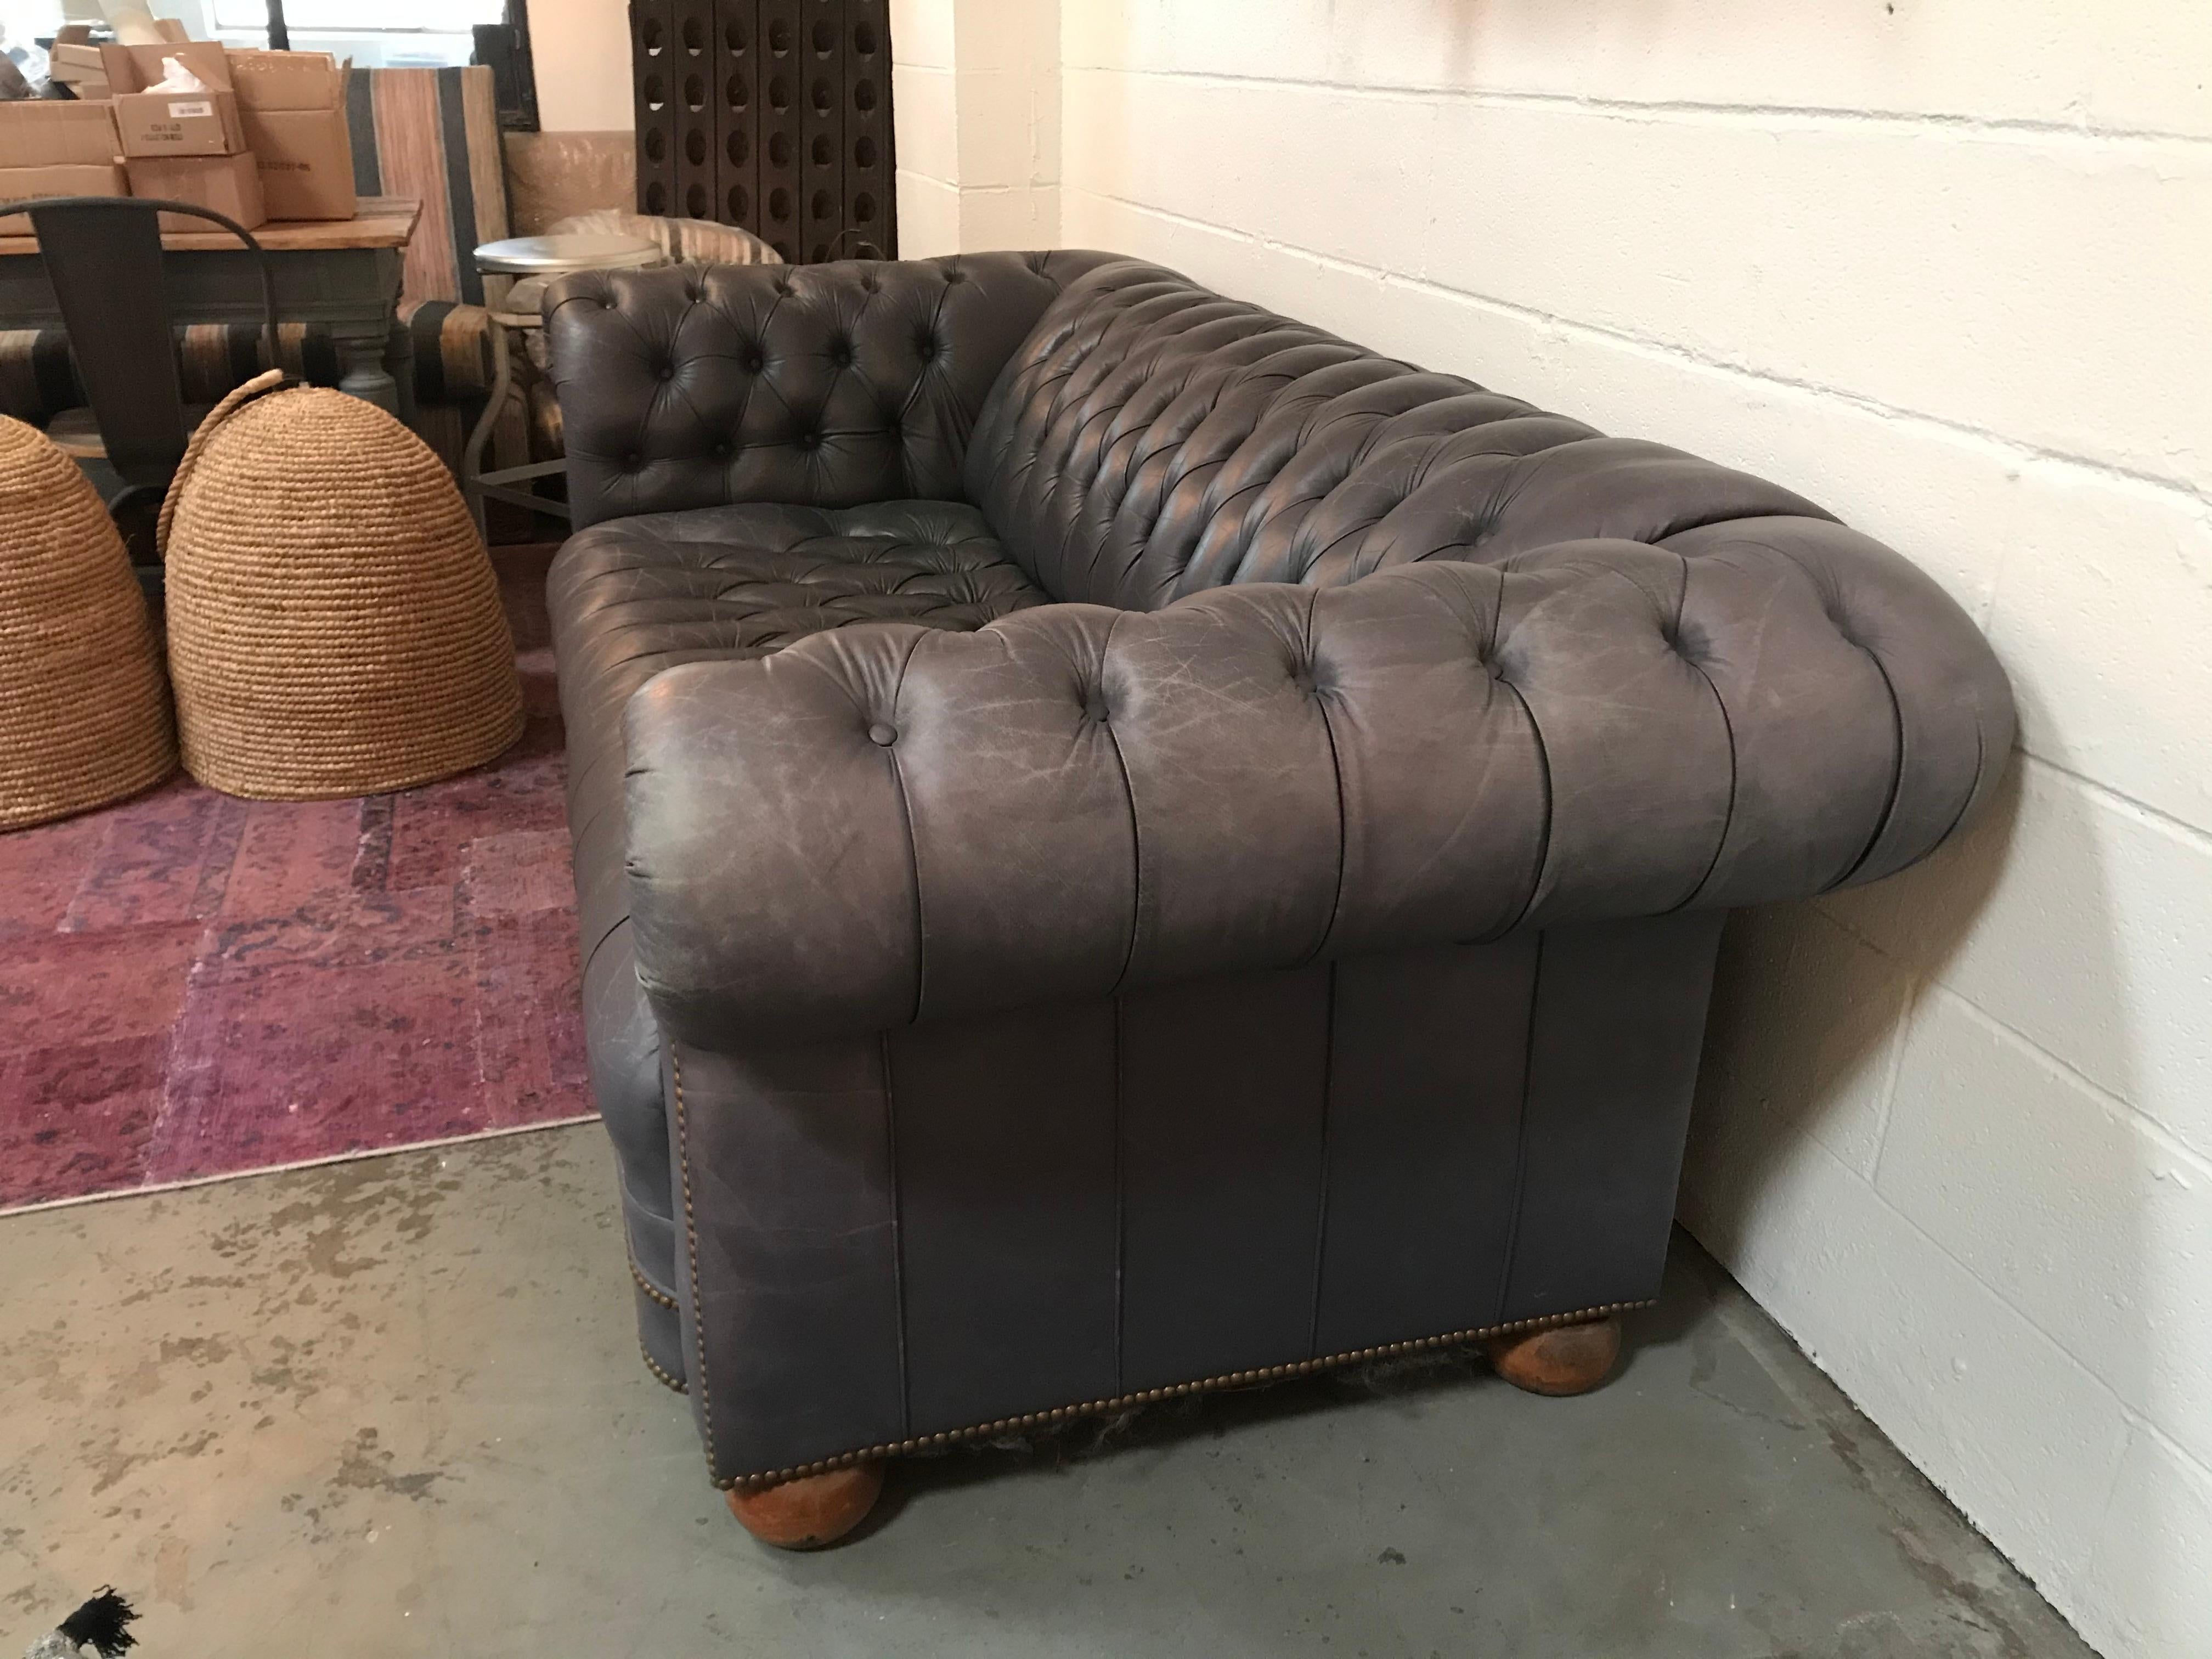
(394, 1407)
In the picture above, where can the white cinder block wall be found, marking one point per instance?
(975, 94)
(1945, 266)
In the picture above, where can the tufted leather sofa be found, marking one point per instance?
(1127, 844)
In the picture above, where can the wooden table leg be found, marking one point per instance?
(360, 348)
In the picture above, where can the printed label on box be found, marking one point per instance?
(180, 112)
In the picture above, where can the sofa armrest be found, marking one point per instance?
(816, 385)
(452, 350)
(886, 824)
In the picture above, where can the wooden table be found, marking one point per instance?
(341, 273)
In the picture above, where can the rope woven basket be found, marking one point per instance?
(84, 718)
(334, 625)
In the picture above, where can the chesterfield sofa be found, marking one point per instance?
(1128, 845)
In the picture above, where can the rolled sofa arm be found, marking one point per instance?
(886, 824)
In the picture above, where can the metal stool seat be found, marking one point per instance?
(533, 261)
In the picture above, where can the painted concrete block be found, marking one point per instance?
(2103, 615)
(2071, 1207)
(1993, 1411)
(2080, 921)
(1802, 1040)
(1744, 243)
(926, 102)
(2133, 67)
(928, 216)
(2147, 1593)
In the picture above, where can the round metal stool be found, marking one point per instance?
(532, 261)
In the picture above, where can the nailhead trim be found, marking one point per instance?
(646, 1285)
(1233, 1379)
(662, 1376)
(691, 1243)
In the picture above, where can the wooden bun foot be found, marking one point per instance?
(810, 1511)
(1561, 1360)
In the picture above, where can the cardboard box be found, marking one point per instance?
(29, 184)
(47, 132)
(160, 124)
(75, 65)
(74, 62)
(294, 104)
(228, 183)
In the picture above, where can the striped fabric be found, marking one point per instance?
(38, 378)
(452, 349)
(699, 241)
(434, 134)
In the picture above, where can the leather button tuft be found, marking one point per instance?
(754, 362)
(881, 735)
(668, 371)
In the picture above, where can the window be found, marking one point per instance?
(374, 34)
(396, 34)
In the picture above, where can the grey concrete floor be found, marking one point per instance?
(394, 1407)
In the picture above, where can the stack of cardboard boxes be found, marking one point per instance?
(263, 135)
(51, 149)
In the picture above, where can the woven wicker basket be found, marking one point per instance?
(84, 718)
(334, 624)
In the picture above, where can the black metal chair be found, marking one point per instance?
(103, 255)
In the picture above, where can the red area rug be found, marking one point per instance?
(193, 986)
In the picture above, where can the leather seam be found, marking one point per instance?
(912, 842)
(1172, 1391)
(691, 1247)
(1735, 760)
(1521, 1123)
(898, 1230)
(1896, 777)
(1336, 778)
(1543, 846)
(1130, 796)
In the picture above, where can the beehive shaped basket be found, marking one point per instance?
(84, 717)
(334, 624)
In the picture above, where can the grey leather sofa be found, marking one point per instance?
(1125, 844)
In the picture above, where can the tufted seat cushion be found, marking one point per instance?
(633, 597)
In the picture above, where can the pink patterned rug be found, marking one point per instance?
(193, 986)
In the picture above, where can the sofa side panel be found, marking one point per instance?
(1613, 1040)
(789, 1257)
(975, 1227)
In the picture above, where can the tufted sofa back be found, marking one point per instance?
(1150, 439)
(813, 386)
